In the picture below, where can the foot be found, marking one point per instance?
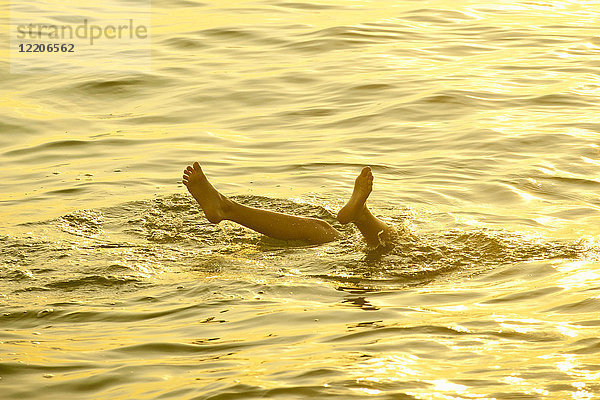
(213, 203)
(363, 185)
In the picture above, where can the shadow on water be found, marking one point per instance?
(133, 244)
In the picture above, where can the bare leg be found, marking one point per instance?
(374, 230)
(217, 207)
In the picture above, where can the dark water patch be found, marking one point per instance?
(390, 31)
(305, 377)
(185, 43)
(461, 50)
(369, 88)
(366, 33)
(588, 323)
(583, 306)
(61, 144)
(559, 100)
(85, 92)
(92, 281)
(347, 37)
(153, 120)
(561, 387)
(14, 127)
(90, 385)
(27, 318)
(525, 295)
(300, 78)
(178, 3)
(8, 368)
(308, 6)
(230, 35)
(309, 112)
(124, 86)
(578, 70)
(241, 391)
(477, 99)
(75, 148)
(376, 334)
(437, 15)
(163, 348)
(68, 191)
(115, 316)
(585, 346)
(66, 304)
(546, 373)
(62, 315)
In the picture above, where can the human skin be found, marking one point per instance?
(218, 207)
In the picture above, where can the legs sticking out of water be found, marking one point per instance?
(218, 207)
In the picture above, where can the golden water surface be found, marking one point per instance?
(479, 119)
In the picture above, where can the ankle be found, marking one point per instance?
(362, 215)
(227, 207)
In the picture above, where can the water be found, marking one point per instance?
(480, 122)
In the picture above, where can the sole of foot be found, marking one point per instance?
(213, 203)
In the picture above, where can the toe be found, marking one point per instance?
(197, 167)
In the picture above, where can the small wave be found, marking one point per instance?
(178, 3)
(344, 37)
(438, 16)
(584, 306)
(308, 6)
(60, 144)
(560, 100)
(92, 281)
(419, 259)
(229, 34)
(8, 368)
(111, 86)
(587, 346)
(185, 43)
(182, 348)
